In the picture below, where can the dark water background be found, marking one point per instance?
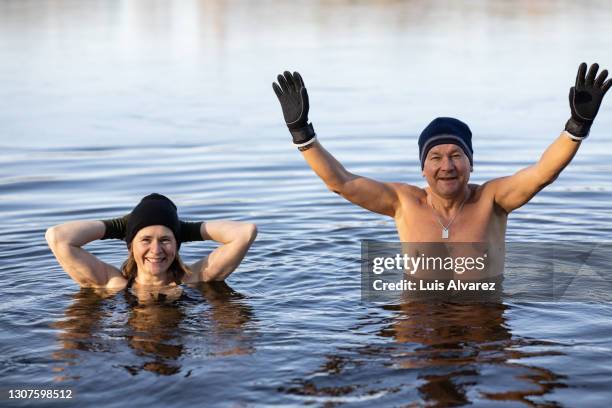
(102, 102)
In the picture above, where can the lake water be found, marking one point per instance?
(103, 102)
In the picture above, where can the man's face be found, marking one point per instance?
(447, 170)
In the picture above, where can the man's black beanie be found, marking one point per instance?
(443, 131)
(154, 209)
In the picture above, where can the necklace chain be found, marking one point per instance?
(445, 228)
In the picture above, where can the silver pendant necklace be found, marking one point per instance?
(446, 228)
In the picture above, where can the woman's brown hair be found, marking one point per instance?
(176, 270)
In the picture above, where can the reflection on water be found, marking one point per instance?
(442, 354)
(77, 330)
(153, 336)
(458, 342)
(153, 330)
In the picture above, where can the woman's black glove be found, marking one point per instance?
(293, 98)
(115, 227)
(190, 231)
(585, 98)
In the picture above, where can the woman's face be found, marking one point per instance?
(154, 249)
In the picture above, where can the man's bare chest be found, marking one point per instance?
(476, 222)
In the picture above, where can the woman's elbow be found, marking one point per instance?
(57, 237)
(51, 236)
(251, 232)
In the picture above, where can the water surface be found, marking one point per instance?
(106, 101)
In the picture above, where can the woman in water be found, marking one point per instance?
(153, 234)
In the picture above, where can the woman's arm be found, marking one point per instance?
(236, 238)
(66, 240)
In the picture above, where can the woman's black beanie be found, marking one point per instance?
(154, 209)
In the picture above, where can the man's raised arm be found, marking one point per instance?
(372, 195)
(585, 98)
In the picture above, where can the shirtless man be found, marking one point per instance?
(449, 209)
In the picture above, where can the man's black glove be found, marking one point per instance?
(293, 98)
(585, 98)
(115, 229)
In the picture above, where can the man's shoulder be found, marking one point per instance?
(486, 189)
(409, 194)
(408, 189)
(492, 185)
(485, 193)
